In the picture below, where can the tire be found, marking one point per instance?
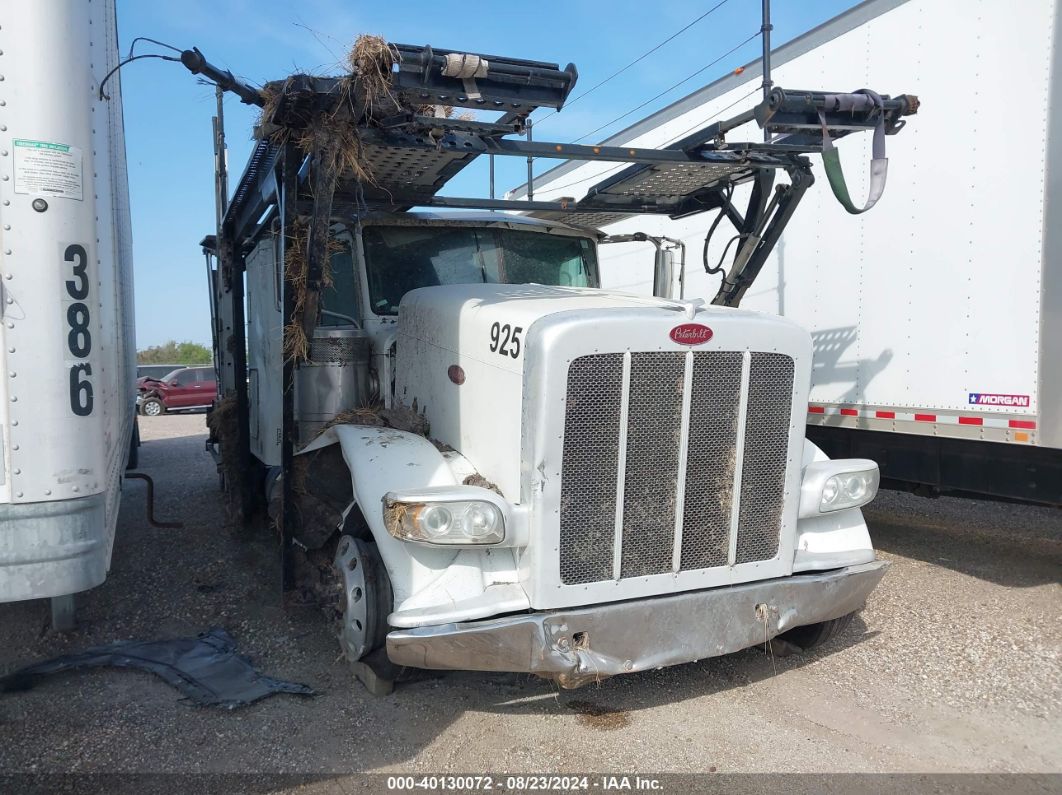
(152, 407)
(365, 600)
(813, 635)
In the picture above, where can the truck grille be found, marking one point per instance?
(638, 485)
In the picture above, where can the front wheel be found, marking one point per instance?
(152, 407)
(365, 597)
(812, 635)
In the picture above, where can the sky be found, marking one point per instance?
(168, 112)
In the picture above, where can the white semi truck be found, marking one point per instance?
(477, 458)
(67, 363)
(937, 317)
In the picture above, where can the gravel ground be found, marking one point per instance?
(953, 667)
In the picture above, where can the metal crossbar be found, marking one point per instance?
(409, 154)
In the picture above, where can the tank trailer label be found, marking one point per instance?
(989, 399)
(47, 169)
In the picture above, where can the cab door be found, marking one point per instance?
(205, 386)
(181, 390)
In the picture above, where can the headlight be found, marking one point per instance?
(848, 490)
(836, 485)
(459, 522)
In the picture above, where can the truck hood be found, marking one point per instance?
(476, 359)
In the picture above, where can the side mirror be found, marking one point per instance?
(175, 382)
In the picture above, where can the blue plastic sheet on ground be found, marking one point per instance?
(206, 669)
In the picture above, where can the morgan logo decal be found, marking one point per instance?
(691, 334)
(989, 399)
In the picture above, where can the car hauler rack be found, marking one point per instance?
(384, 139)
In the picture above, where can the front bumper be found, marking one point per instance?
(587, 644)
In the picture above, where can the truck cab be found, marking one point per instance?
(374, 262)
(594, 479)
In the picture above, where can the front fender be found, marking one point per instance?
(832, 540)
(431, 585)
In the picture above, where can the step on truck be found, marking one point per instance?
(67, 361)
(474, 456)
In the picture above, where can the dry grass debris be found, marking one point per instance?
(296, 344)
(271, 94)
(300, 471)
(326, 129)
(223, 422)
(331, 134)
(478, 480)
(401, 418)
(297, 270)
(404, 418)
(373, 60)
(364, 415)
(394, 514)
(337, 147)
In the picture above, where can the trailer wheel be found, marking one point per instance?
(812, 635)
(365, 597)
(152, 407)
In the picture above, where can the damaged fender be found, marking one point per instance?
(832, 540)
(431, 586)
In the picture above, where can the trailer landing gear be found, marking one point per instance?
(64, 613)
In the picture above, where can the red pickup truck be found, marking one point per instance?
(184, 388)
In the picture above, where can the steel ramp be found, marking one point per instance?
(405, 169)
(802, 117)
(672, 189)
(428, 76)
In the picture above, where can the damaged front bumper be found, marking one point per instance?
(587, 644)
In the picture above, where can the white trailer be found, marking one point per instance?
(67, 367)
(937, 317)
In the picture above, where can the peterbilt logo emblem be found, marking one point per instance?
(691, 334)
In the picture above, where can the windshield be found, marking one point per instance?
(402, 258)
